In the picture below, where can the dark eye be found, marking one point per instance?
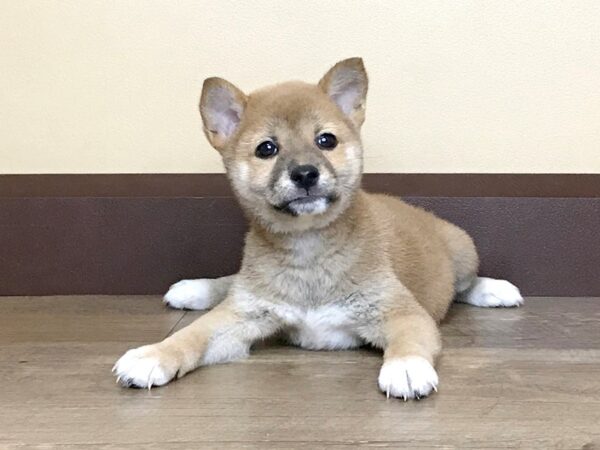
(326, 141)
(266, 149)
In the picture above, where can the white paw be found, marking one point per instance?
(410, 377)
(189, 294)
(145, 367)
(491, 293)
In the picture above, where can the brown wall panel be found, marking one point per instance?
(79, 237)
(216, 185)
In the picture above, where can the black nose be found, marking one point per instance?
(304, 176)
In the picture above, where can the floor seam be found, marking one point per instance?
(175, 324)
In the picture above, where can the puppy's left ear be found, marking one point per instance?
(221, 107)
(346, 83)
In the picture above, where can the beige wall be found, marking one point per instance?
(456, 86)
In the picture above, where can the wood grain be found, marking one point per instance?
(510, 378)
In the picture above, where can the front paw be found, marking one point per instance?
(190, 294)
(409, 377)
(146, 366)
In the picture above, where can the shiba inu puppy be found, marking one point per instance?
(329, 265)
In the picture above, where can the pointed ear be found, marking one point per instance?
(221, 108)
(346, 84)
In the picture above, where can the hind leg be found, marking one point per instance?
(471, 289)
(491, 293)
(462, 251)
(203, 293)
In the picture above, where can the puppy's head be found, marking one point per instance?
(292, 151)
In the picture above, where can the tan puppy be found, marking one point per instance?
(326, 263)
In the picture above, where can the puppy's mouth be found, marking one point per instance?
(306, 205)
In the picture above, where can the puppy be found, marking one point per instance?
(329, 265)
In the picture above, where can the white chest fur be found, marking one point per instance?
(326, 327)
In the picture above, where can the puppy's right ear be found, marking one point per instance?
(221, 107)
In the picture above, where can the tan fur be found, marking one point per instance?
(369, 269)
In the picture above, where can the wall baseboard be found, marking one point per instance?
(137, 234)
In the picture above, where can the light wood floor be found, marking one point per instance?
(510, 378)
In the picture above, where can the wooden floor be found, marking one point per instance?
(510, 378)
